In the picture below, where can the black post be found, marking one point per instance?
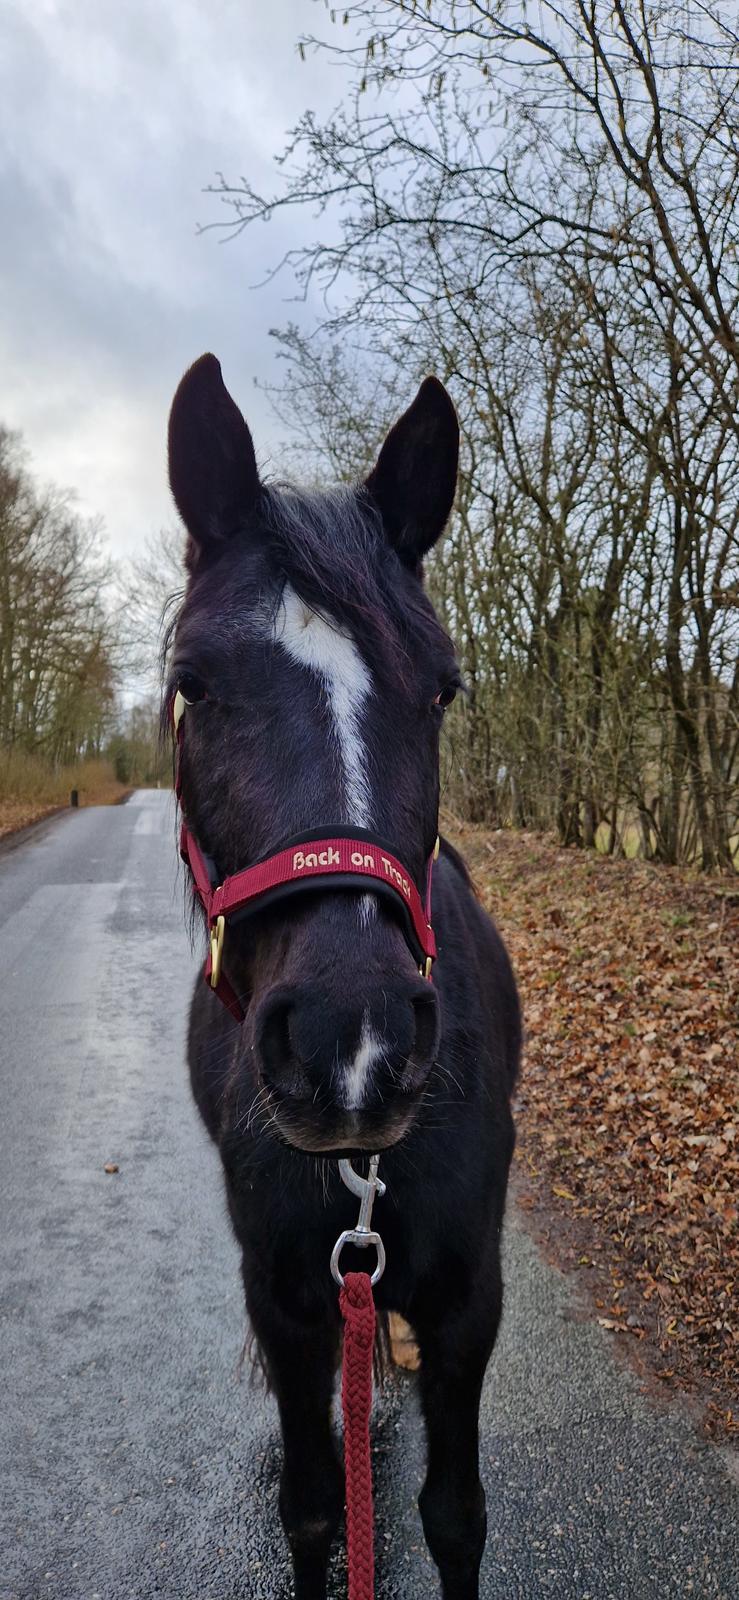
(74, 798)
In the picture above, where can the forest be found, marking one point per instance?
(72, 638)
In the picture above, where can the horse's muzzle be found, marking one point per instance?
(353, 1135)
(350, 1076)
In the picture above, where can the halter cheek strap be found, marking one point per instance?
(340, 859)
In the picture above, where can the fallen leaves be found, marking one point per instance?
(627, 1110)
(16, 814)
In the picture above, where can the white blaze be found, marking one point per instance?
(315, 641)
(357, 1071)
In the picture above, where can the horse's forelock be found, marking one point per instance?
(331, 546)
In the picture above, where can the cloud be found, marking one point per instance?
(112, 120)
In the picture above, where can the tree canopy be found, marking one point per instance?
(539, 204)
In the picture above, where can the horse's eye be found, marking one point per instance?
(191, 687)
(446, 695)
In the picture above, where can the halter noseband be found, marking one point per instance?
(342, 859)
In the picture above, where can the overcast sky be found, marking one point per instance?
(113, 118)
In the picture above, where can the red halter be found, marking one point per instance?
(344, 859)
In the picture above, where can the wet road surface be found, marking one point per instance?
(135, 1464)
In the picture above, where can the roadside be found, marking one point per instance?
(627, 1161)
(31, 788)
(17, 815)
(96, 788)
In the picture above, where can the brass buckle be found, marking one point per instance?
(217, 935)
(425, 970)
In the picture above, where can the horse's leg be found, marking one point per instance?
(454, 1355)
(301, 1363)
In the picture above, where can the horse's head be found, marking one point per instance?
(315, 674)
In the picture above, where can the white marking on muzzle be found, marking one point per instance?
(357, 1071)
(314, 640)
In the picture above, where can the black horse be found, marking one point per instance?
(315, 675)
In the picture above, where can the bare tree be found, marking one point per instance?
(543, 207)
(59, 657)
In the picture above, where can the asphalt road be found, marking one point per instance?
(135, 1464)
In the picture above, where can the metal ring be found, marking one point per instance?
(351, 1236)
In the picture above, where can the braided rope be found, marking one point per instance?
(358, 1311)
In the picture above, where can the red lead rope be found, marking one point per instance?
(358, 1311)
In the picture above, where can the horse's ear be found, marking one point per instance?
(414, 479)
(212, 467)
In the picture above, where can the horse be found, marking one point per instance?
(311, 676)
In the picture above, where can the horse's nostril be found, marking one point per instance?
(426, 1016)
(279, 1062)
